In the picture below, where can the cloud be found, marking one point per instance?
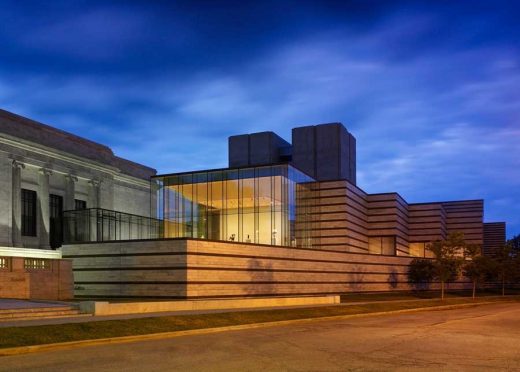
(435, 119)
(98, 33)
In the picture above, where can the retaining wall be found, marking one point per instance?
(49, 279)
(189, 268)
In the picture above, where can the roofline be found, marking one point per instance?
(30, 121)
(230, 168)
(448, 201)
(104, 155)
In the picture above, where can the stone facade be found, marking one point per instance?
(347, 218)
(360, 242)
(494, 237)
(189, 268)
(324, 152)
(255, 149)
(36, 157)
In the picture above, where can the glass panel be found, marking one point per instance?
(186, 206)
(104, 225)
(248, 227)
(417, 249)
(247, 205)
(231, 205)
(215, 205)
(374, 245)
(267, 205)
(388, 245)
(200, 206)
(427, 252)
(264, 233)
(276, 210)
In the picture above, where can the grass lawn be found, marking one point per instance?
(36, 335)
(389, 296)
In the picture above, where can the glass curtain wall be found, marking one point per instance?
(263, 205)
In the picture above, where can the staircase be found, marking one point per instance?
(38, 313)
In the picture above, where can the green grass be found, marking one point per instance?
(37, 335)
(393, 296)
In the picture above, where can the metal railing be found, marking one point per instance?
(101, 225)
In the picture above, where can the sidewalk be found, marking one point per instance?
(90, 318)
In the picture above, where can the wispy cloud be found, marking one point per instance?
(99, 33)
(436, 117)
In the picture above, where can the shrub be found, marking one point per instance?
(421, 273)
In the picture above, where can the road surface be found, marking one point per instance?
(479, 338)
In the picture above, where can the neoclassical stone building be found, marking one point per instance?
(46, 171)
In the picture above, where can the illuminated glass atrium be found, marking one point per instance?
(262, 205)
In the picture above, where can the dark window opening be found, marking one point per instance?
(28, 213)
(80, 204)
(55, 215)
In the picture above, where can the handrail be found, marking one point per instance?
(99, 224)
(110, 210)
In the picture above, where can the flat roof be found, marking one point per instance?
(231, 169)
(45, 135)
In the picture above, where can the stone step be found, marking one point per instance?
(15, 321)
(35, 314)
(36, 309)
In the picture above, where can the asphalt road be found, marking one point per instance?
(480, 338)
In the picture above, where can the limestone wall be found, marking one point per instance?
(6, 212)
(100, 185)
(189, 268)
(346, 218)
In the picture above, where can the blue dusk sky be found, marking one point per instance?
(430, 89)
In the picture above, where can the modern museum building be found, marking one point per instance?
(285, 218)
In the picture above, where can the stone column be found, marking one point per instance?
(93, 202)
(93, 193)
(43, 197)
(17, 204)
(70, 223)
(70, 191)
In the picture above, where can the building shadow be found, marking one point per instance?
(393, 279)
(261, 278)
(355, 280)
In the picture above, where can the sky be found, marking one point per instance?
(430, 89)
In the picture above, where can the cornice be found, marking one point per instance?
(68, 158)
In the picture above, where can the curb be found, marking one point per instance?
(157, 336)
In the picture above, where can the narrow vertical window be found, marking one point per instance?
(28, 213)
(80, 204)
(55, 215)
